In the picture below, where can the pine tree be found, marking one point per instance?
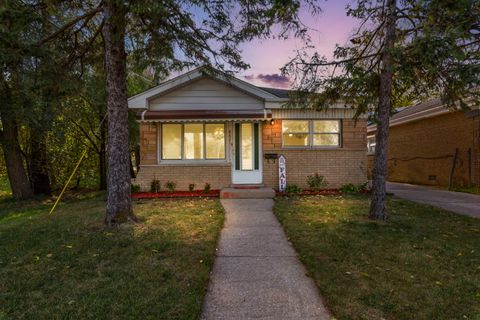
(166, 36)
(13, 19)
(403, 51)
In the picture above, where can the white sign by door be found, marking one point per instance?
(282, 173)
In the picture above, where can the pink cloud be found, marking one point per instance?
(273, 79)
(331, 27)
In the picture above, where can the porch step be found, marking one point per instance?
(257, 193)
(247, 186)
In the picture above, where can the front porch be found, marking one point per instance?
(247, 193)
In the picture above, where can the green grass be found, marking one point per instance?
(474, 190)
(4, 187)
(70, 266)
(423, 263)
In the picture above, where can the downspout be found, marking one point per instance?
(265, 114)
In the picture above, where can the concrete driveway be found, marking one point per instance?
(459, 202)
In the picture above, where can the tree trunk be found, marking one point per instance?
(17, 175)
(132, 169)
(137, 159)
(119, 203)
(378, 204)
(39, 173)
(102, 163)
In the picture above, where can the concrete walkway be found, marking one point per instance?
(462, 203)
(257, 274)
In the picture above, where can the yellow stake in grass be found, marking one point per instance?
(68, 181)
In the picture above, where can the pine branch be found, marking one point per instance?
(68, 25)
(85, 133)
(370, 41)
(339, 62)
(90, 42)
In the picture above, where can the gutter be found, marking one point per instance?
(202, 115)
(437, 111)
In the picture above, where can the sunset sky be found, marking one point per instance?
(330, 27)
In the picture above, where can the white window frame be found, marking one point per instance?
(311, 135)
(371, 146)
(183, 160)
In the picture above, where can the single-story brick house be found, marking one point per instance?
(430, 144)
(204, 127)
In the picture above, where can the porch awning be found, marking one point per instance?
(199, 115)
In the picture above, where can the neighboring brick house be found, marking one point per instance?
(423, 142)
(213, 128)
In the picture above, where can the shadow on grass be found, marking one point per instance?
(422, 263)
(69, 265)
(11, 209)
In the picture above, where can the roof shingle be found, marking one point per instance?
(281, 93)
(421, 107)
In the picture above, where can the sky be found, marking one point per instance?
(330, 27)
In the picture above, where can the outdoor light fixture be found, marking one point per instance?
(272, 122)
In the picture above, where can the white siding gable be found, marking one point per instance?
(205, 94)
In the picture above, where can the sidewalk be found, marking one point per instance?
(458, 202)
(257, 274)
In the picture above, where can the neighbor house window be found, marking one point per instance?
(311, 133)
(193, 141)
(371, 143)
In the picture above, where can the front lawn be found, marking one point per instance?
(424, 263)
(70, 266)
(4, 187)
(474, 190)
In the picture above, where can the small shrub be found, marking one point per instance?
(191, 187)
(155, 186)
(316, 182)
(292, 189)
(135, 188)
(364, 186)
(207, 187)
(351, 188)
(170, 186)
(348, 188)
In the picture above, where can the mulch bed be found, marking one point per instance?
(216, 194)
(176, 194)
(324, 192)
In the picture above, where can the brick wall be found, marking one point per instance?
(355, 134)
(476, 150)
(218, 176)
(148, 143)
(422, 150)
(369, 165)
(338, 166)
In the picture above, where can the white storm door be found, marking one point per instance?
(247, 164)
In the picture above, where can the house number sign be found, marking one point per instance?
(282, 173)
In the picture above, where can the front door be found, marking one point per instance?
(247, 165)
